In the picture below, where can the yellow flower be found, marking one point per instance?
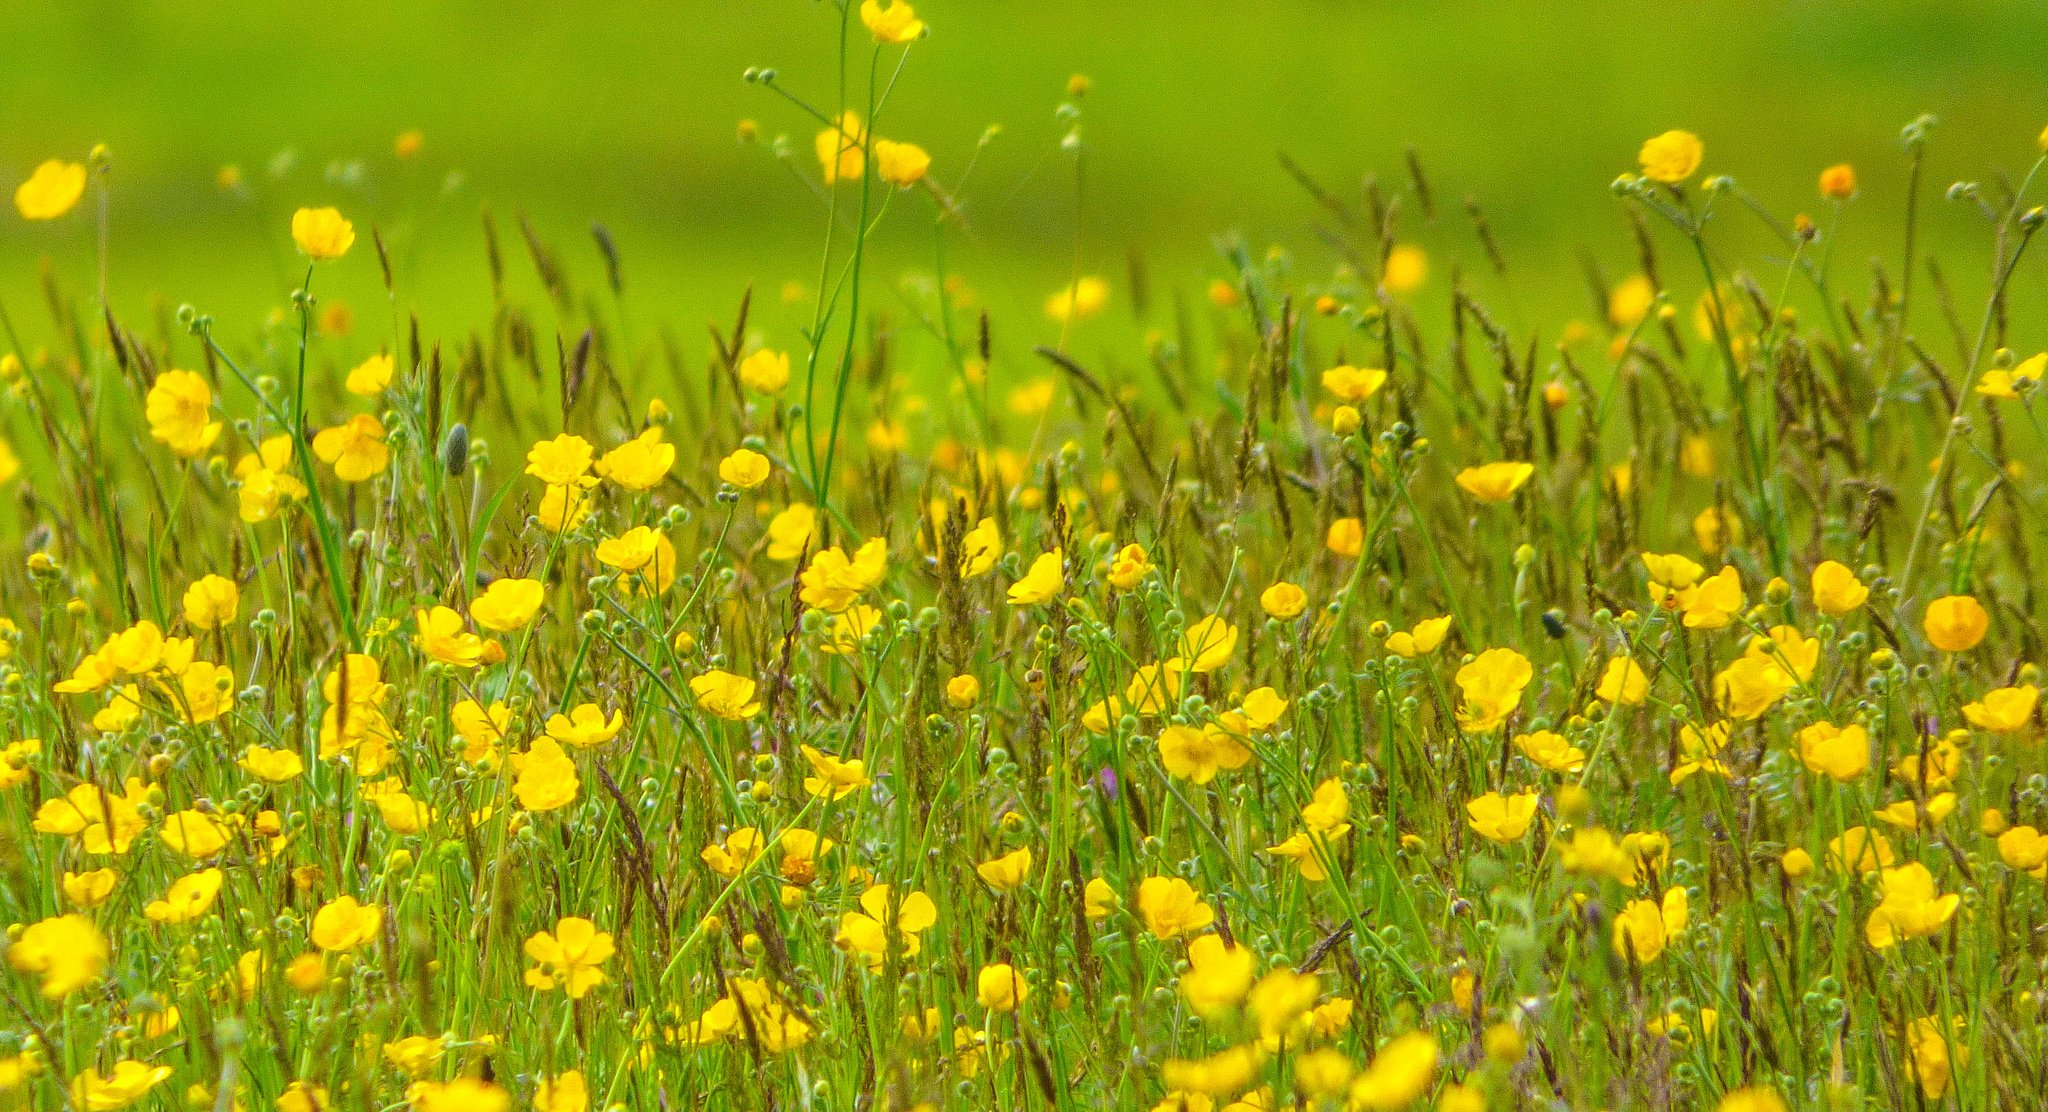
(129, 1081)
(1754, 1098)
(1262, 707)
(565, 1092)
(1079, 301)
(302, 1096)
(570, 957)
(1624, 683)
(101, 820)
(585, 726)
(342, 924)
(765, 372)
(1933, 1055)
(442, 636)
(1420, 640)
(355, 449)
(2025, 850)
(1283, 601)
(1840, 753)
(744, 469)
(1492, 686)
(1399, 1074)
(721, 694)
(1189, 753)
(369, 377)
(1498, 818)
(840, 148)
(1098, 900)
(1911, 907)
(885, 921)
(2000, 383)
(51, 191)
(507, 605)
(1043, 582)
(1309, 850)
(1220, 1074)
(1207, 644)
(1700, 751)
(1171, 907)
(1218, 977)
(1640, 932)
(1672, 157)
(832, 581)
(1353, 384)
(646, 556)
(1860, 850)
(211, 602)
(177, 409)
(67, 951)
(1128, 567)
(1000, 988)
(900, 164)
(561, 461)
(415, 1056)
(1550, 751)
(1346, 537)
(266, 483)
(1495, 482)
(1008, 871)
(1836, 590)
(464, 1094)
(546, 776)
(2004, 710)
(1955, 623)
(1715, 530)
(1630, 301)
(1406, 269)
(640, 463)
(980, 549)
(832, 776)
(88, 889)
(322, 233)
(789, 532)
(1672, 572)
(189, 897)
(1907, 814)
(894, 24)
(1712, 603)
(272, 766)
(195, 834)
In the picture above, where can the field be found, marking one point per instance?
(1146, 607)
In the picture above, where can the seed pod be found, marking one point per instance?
(455, 449)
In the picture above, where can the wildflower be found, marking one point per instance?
(101, 820)
(1345, 420)
(901, 164)
(190, 897)
(1836, 590)
(266, 481)
(1749, 686)
(2024, 850)
(1218, 977)
(342, 924)
(1283, 601)
(841, 149)
(2002, 383)
(128, 1082)
(871, 931)
(1406, 269)
(1352, 384)
(1079, 301)
(546, 776)
(1700, 751)
(740, 849)
(1908, 814)
(1955, 623)
(571, 957)
(744, 469)
(1492, 686)
(1932, 1055)
(564, 1092)
(507, 605)
(1624, 683)
(637, 465)
(1128, 567)
(416, 1055)
(1910, 907)
(1550, 751)
(1500, 818)
(442, 637)
(1714, 602)
(1000, 988)
(789, 532)
(846, 629)
(833, 581)
(1839, 753)
(195, 834)
(1495, 482)
(1860, 850)
(210, 602)
(1207, 644)
(2004, 710)
(1006, 872)
(585, 727)
(1789, 649)
(1262, 707)
(369, 378)
(464, 1094)
(1671, 572)
(1644, 928)
(1715, 530)
(1346, 538)
(1399, 1074)
(1043, 582)
(1838, 182)
(88, 889)
(1672, 157)
(322, 234)
(765, 372)
(51, 191)
(178, 409)
(1098, 900)
(721, 694)
(1171, 907)
(355, 449)
(67, 951)
(1219, 1074)
(980, 549)
(1189, 753)
(1421, 639)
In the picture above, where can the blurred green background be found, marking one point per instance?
(626, 113)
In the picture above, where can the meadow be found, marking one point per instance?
(1408, 671)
